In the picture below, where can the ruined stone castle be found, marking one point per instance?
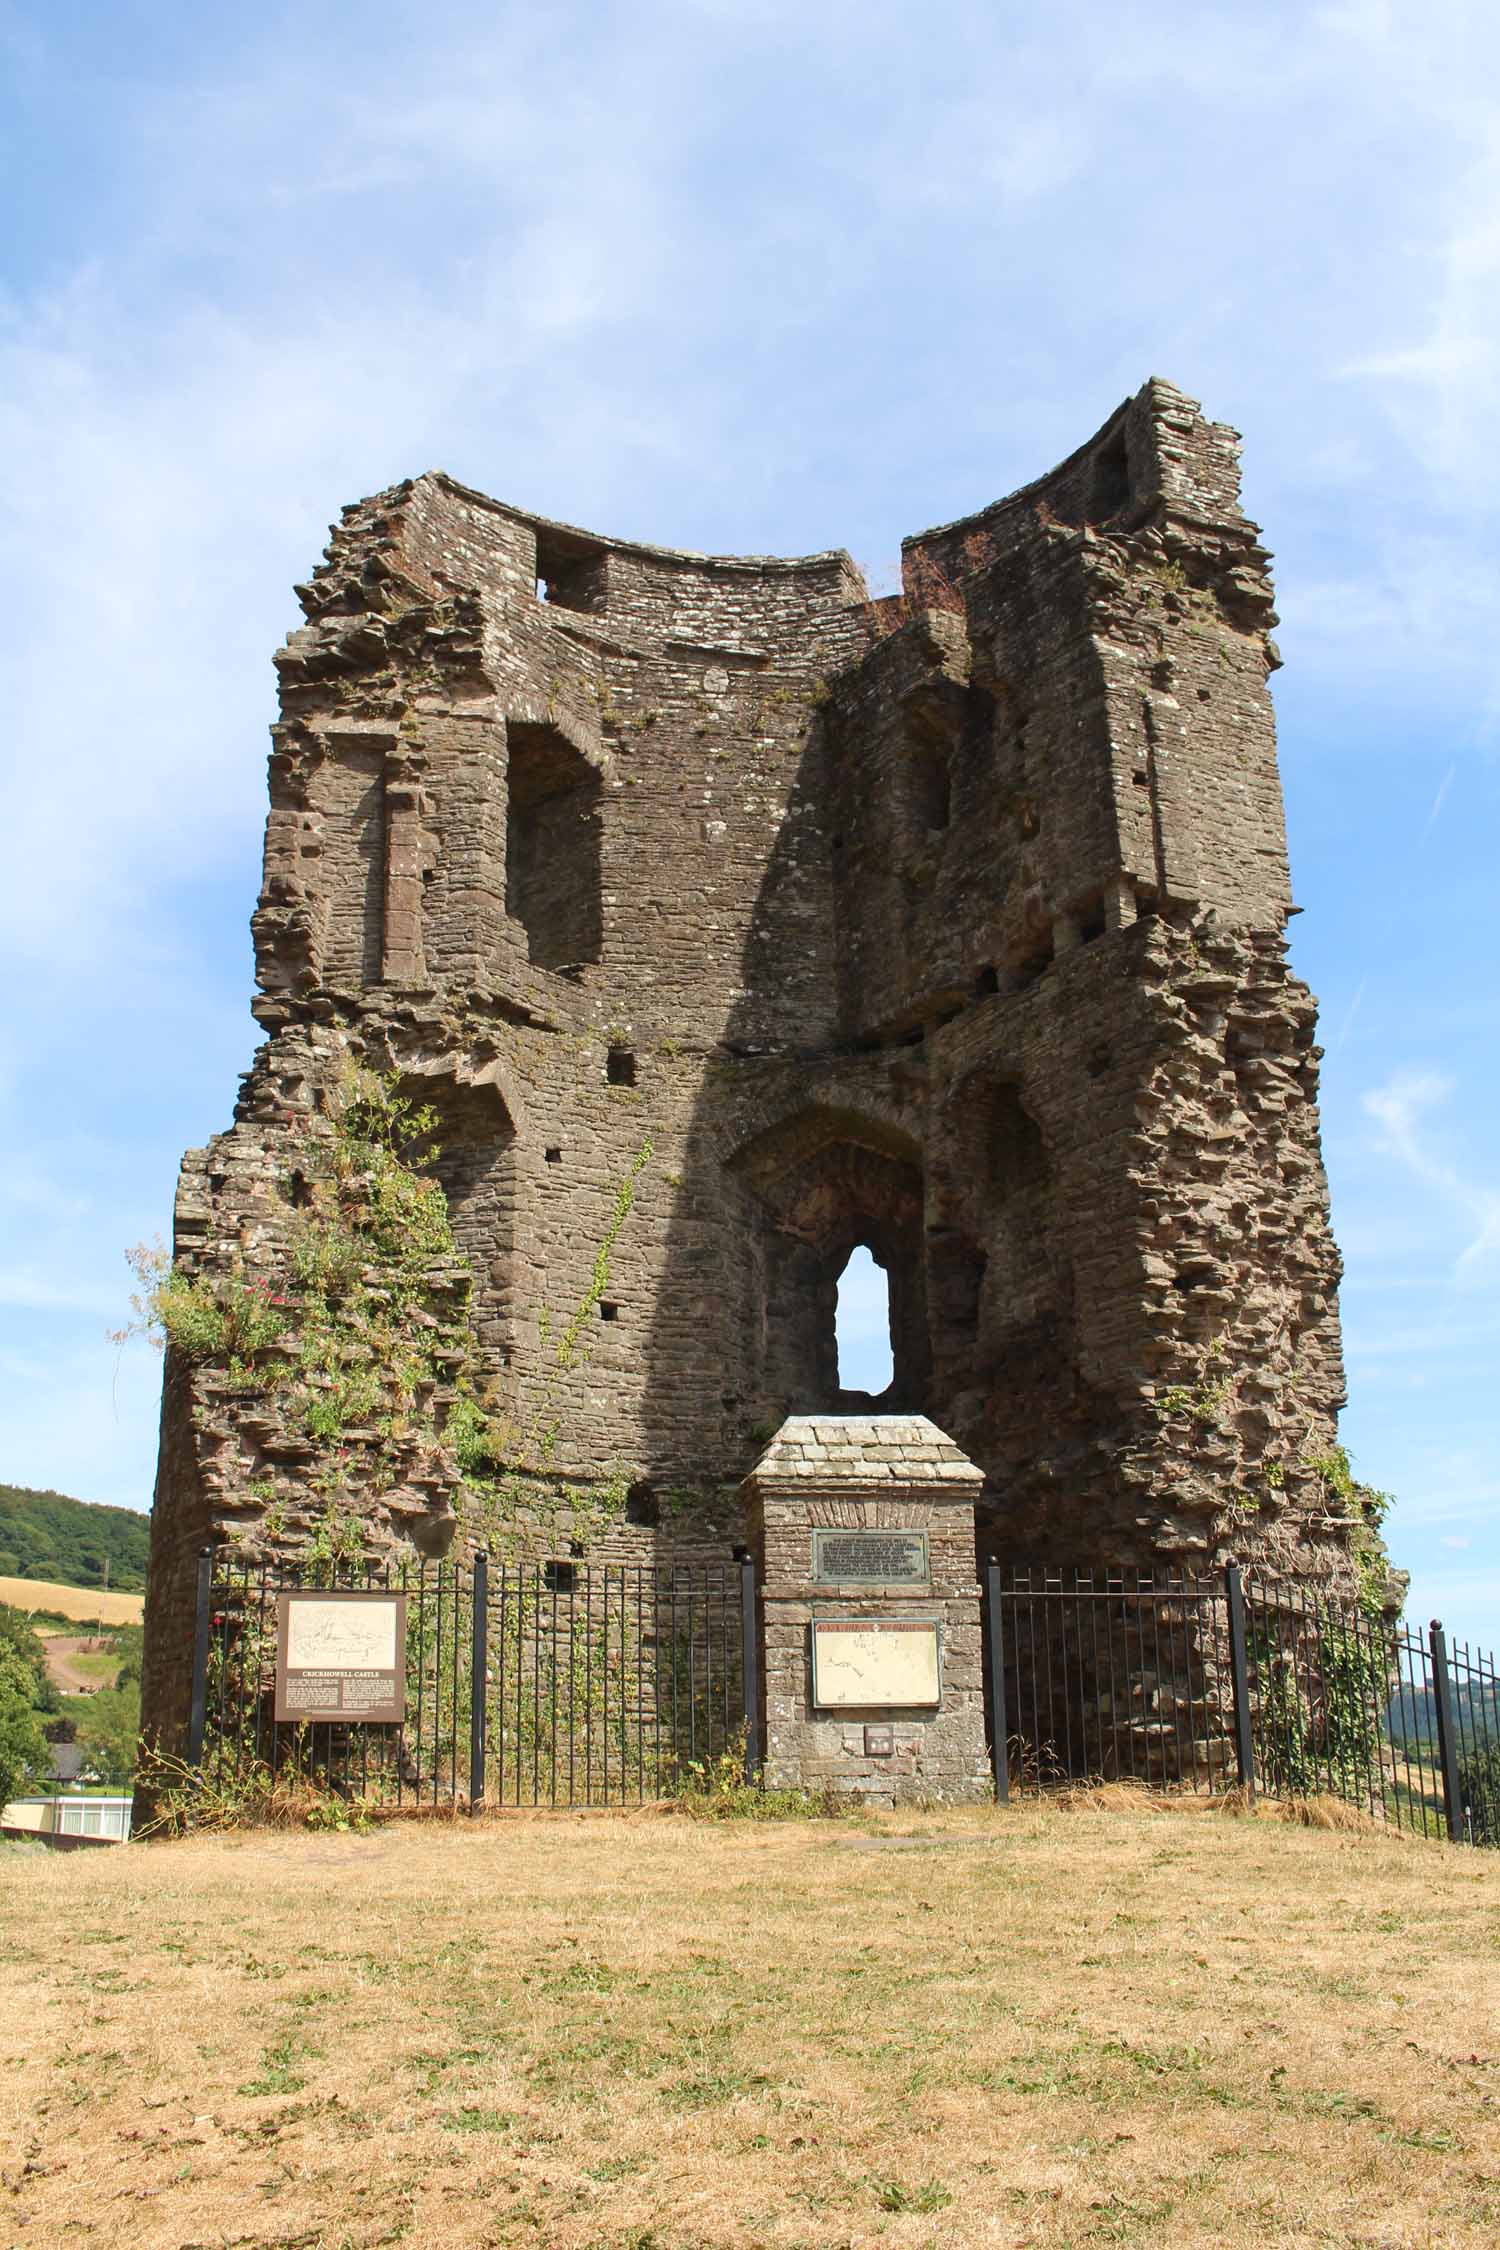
(728, 918)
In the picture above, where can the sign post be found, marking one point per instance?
(341, 1656)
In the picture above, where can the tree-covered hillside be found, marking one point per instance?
(46, 1535)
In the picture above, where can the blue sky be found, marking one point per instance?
(752, 276)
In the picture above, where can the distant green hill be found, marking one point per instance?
(46, 1535)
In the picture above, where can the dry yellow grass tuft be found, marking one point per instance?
(72, 1601)
(1017, 2027)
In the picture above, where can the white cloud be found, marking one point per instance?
(1442, 389)
(31, 1291)
(1403, 1107)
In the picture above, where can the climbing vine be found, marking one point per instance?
(1320, 1728)
(1366, 1509)
(357, 1320)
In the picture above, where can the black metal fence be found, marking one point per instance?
(1209, 1684)
(568, 1683)
(606, 1684)
(601, 1684)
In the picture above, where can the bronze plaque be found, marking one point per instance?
(880, 1742)
(870, 1558)
(341, 1655)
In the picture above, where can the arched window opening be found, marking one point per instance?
(842, 1317)
(862, 1326)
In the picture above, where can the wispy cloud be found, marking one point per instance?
(40, 1292)
(1404, 1108)
(1439, 800)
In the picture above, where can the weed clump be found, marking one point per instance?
(717, 1789)
(207, 1800)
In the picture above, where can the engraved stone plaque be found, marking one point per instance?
(880, 1742)
(341, 1656)
(875, 1663)
(870, 1558)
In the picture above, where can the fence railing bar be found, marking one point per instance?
(479, 1661)
(1416, 1798)
(1103, 1728)
(640, 1726)
(1076, 1702)
(1447, 1746)
(421, 1691)
(1182, 1688)
(1239, 1677)
(518, 1743)
(999, 1728)
(750, 1668)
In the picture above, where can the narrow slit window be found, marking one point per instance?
(862, 1326)
(932, 784)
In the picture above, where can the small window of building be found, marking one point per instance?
(642, 1506)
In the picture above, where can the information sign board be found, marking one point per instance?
(875, 1663)
(341, 1655)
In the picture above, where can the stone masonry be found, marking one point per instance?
(949, 923)
(883, 1473)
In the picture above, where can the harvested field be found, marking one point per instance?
(77, 1666)
(1034, 2027)
(72, 1601)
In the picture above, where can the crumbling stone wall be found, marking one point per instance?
(950, 923)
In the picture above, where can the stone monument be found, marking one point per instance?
(863, 1527)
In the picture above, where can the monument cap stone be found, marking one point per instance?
(868, 1451)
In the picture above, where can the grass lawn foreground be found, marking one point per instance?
(1034, 2026)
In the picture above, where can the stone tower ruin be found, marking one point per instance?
(728, 919)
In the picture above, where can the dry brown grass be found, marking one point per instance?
(72, 1601)
(1023, 2027)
